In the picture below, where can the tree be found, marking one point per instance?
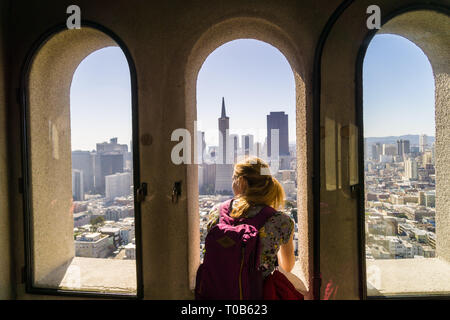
(97, 220)
(289, 204)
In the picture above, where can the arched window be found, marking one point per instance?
(249, 31)
(405, 112)
(79, 180)
(245, 107)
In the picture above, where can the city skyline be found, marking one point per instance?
(101, 88)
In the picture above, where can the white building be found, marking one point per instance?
(93, 245)
(423, 142)
(118, 185)
(113, 232)
(130, 251)
(390, 149)
(396, 247)
(411, 168)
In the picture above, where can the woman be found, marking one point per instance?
(254, 188)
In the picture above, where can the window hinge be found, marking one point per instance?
(21, 185)
(141, 192)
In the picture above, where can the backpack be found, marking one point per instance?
(230, 270)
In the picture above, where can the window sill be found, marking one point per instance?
(408, 277)
(94, 275)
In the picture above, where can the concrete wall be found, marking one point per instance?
(50, 78)
(6, 282)
(339, 224)
(168, 42)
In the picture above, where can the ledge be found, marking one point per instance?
(94, 275)
(405, 277)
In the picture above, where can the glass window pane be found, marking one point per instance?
(81, 168)
(400, 137)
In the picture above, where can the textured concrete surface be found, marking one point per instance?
(168, 42)
(6, 281)
(408, 277)
(50, 145)
(339, 227)
(95, 275)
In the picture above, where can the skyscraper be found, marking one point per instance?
(77, 185)
(247, 144)
(224, 164)
(201, 146)
(224, 126)
(389, 149)
(411, 169)
(234, 146)
(423, 142)
(117, 185)
(109, 159)
(277, 121)
(403, 147)
(83, 160)
(376, 151)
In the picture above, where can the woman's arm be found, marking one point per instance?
(286, 256)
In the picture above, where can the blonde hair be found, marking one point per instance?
(262, 188)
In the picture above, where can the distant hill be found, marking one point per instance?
(413, 139)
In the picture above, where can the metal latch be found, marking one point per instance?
(141, 192)
(176, 191)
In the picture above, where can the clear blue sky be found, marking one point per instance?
(255, 78)
(100, 100)
(398, 88)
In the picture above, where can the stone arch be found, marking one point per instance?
(46, 81)
(263, 30)
(428, 29)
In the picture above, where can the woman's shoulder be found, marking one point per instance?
(280, 216)
(280, 222)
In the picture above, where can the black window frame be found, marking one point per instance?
(359, 114)
(25, 181)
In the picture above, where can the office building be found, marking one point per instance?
(403, 147)
(84, 161)
(411, 169)
(423, 142)
(118, 185)
(277, 131)
(77, 185)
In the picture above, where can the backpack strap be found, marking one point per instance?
(257, 221)
(224, 212)
(261, 217)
